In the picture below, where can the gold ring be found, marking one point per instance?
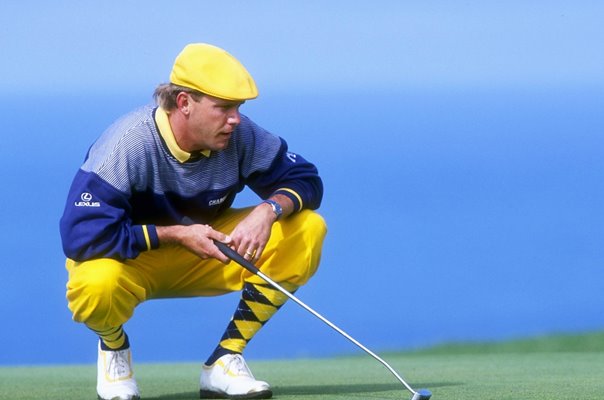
(247, 253)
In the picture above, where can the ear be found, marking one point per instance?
(182, 103)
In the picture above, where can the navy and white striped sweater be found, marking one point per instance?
(130, 182)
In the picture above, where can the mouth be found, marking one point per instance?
(223, 139)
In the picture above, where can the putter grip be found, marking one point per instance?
(233, 255)
(227, 251)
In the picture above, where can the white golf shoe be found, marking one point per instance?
(115, 378)
(230, 378)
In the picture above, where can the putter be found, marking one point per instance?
(422, 394)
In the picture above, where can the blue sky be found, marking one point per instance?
(476, 212)
(84, 45)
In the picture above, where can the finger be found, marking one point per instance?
(219, 255)
(245, 249)
(215, 251)
(249, 254)
(258, 253)
(219, 236)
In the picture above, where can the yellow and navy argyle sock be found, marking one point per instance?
(113, 339)
(257, 305)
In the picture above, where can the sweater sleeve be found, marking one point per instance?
(96, 222)
(292, 175)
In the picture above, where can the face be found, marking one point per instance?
(211, 122)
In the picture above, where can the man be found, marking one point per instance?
(123, 231)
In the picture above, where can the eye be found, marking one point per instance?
(228, 107)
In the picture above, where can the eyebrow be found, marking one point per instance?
(229, 103)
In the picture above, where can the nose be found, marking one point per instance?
(234, 118)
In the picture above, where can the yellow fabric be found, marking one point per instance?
(262, 311)
(236, 345)
(165, 130)
(211, 70)
(114, 338)
(103, 293)
(273, 295)
(248, 328)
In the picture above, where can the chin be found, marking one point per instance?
(221, 146)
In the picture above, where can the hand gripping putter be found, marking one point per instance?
(422, 394)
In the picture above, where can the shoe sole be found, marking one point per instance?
(119, 398)
(208, 394)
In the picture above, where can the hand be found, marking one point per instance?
(250, 236)
(196, 238)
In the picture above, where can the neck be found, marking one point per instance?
(178, 123)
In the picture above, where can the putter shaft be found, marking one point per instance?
(233, 255)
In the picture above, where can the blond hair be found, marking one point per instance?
(165, 95)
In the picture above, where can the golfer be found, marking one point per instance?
(186, 158)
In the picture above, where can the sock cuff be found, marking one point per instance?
(124, 346)
(219, 352)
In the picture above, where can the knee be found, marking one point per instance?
(314, 227)
(302, 245)
(315, 235)
(99, 294)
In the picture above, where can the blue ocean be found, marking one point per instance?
(454, 214)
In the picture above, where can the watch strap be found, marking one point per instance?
(276, 207)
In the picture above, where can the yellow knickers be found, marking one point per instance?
(103, 293)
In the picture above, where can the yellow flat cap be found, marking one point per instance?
(211, 70)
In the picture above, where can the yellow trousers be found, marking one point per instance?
(103, 293)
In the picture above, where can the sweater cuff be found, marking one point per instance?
(293, 196)
(146, 237)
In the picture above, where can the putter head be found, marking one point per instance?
(422, 394)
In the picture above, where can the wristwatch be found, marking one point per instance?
(276, 207)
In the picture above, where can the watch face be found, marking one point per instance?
(276, 207)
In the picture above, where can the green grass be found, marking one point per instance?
(551, 368)
(589, 343)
